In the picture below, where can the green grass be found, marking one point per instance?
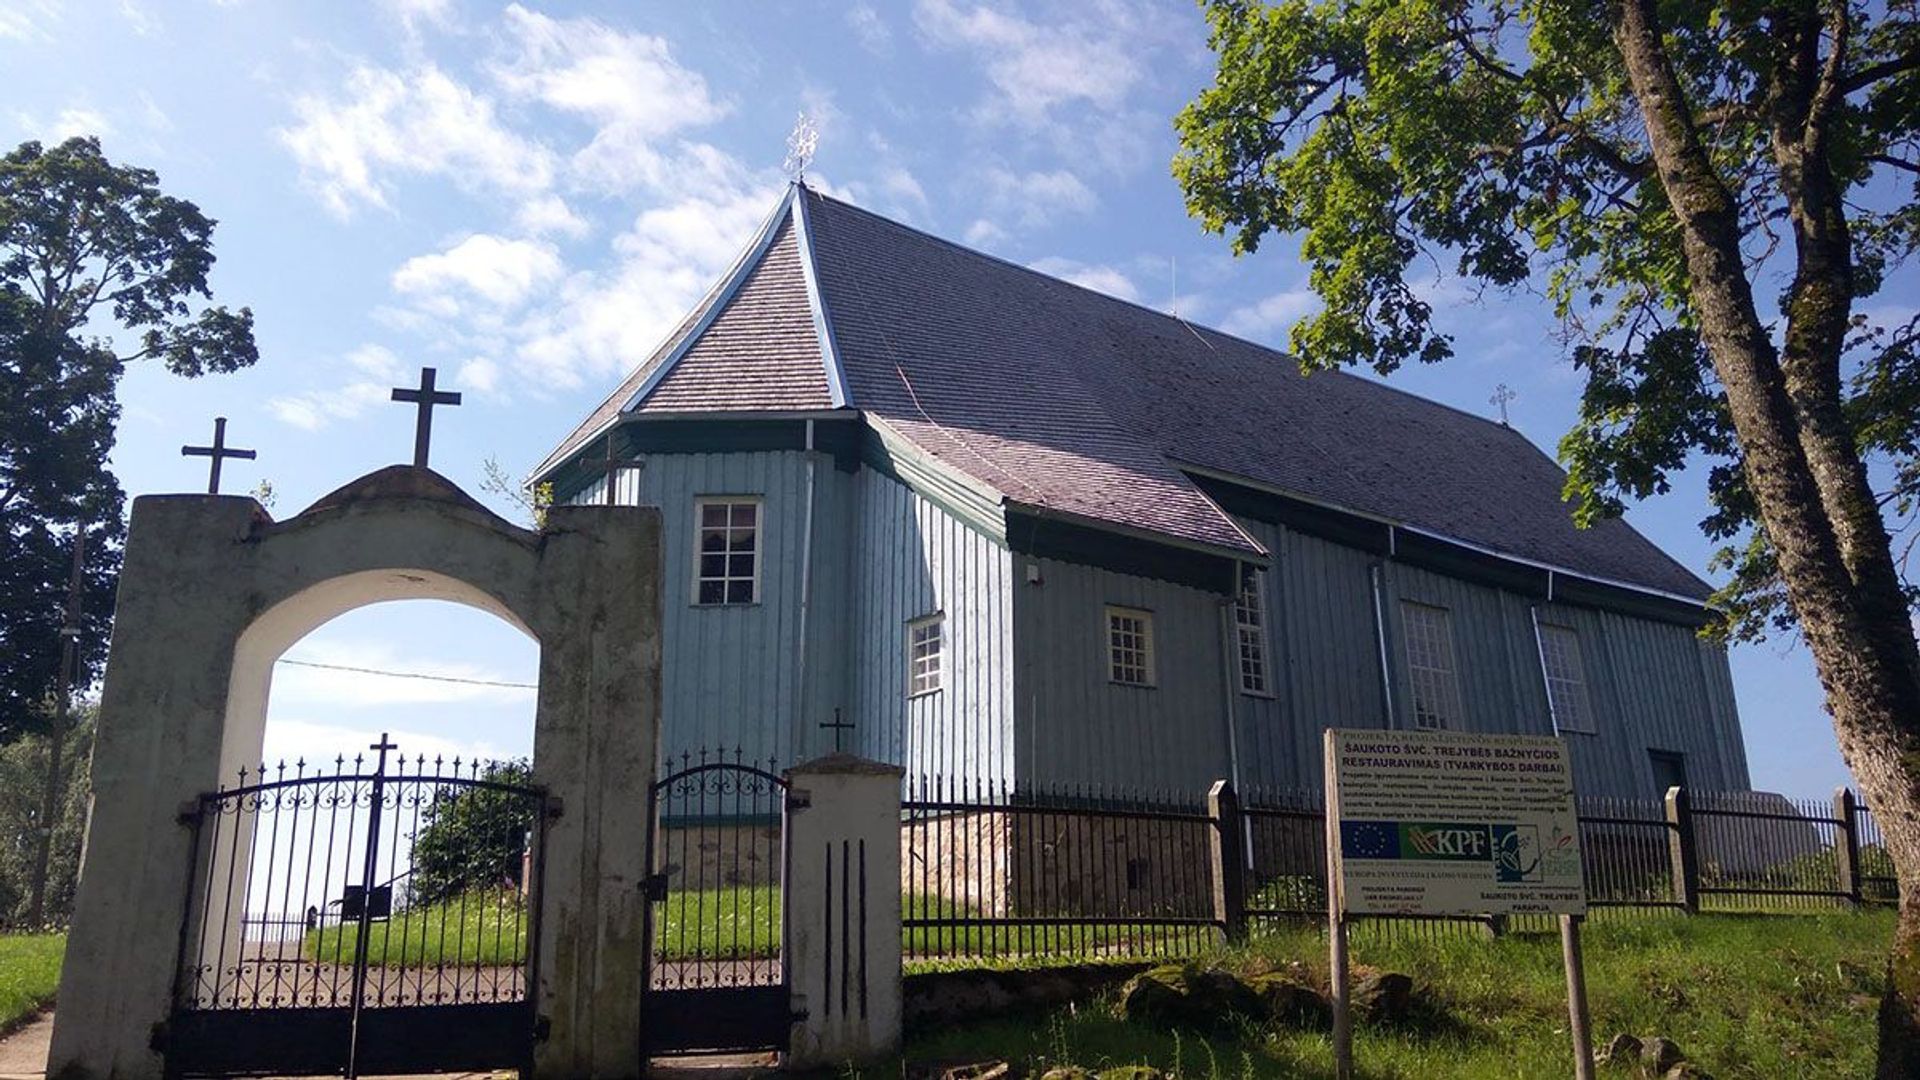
(29, 974)
(484, 928)
(1771, 997)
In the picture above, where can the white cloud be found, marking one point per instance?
(1273, 315)
(984, 233)
(412, 13)
(603, 322)
(142, 22)
(1036, 68)
(870, 29)
(627, 84)
(421, 122)
(479, 374)
(550, 214)
(67, 123)
(1102, 278)
(28, 18)
(1037, 198)
(500, 271)
(377, 371)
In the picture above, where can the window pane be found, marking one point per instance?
(713, 566)
(713, 592)
(739, 592)
(713, 514)
(740, 565)
(713, 540)
(743, 541)
(744, 514)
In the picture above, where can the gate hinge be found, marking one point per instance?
(799, 800)
(542, 1028)
(655, 887)
(800, 1016)
(189, 812)
(158, 1037)
(555, 807)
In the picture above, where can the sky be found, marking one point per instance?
(528, 196)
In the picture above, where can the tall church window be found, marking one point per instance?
(1566, 675)
(1250, 631)
(926, 654)
(1430, 667)
(727, 555)
(1130, 646)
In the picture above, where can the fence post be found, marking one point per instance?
(1229, 860)
(1683, 854)
(1846, 843)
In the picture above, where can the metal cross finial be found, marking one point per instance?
(611, 466)
(426, 397)
(219, 452)
(1501, 395)
(801, 143)
(837, 727)
(385, 744)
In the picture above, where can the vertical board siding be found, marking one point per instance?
(909, 558)
(729, 674)
(1077, 727)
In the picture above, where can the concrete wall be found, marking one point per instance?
(212, 591)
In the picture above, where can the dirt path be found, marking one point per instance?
(23, 1054)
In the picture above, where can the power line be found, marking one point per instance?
(409, 675)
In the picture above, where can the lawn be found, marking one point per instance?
(1771, 997)
(29, 973)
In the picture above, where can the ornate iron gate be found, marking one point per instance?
(716, 922)
(363, 920)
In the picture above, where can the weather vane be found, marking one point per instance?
(801, 144)
(1501, 395)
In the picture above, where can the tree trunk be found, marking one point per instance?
(1806, 477)
(49, 820)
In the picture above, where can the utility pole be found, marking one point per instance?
(57, 736)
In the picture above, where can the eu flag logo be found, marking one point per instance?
(1370, 839)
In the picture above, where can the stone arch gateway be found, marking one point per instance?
(213, 590)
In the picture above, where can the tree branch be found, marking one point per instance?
(1873, 73)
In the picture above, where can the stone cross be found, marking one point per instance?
(426, 397)
(1501, 395)
(219, 452)
(611, 467)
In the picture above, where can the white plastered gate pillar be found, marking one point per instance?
(212, 591)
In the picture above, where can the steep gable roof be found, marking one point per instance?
(1072, 403)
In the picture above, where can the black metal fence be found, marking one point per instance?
(993, 872)
(990, 872)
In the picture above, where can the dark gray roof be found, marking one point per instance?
(1069, 401)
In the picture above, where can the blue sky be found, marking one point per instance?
(526, 196)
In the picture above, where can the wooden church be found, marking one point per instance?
(946, 511)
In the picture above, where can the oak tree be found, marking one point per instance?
(1706, 192)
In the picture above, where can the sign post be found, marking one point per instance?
(1438, 823)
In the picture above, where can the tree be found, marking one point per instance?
(90, 252)
(23, 771)
(1649, 166)
(473, 837)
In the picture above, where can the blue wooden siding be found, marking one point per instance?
(1077, 727)
(730, 674)
(909, 558)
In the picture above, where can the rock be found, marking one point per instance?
(1176, 996)
(978, 1070)
(1659, 1054)
(1383, 997)
(1132, 1072)
(1686, 1070)
(1287, 1000)
(1624, 1049)
(1067, 1072)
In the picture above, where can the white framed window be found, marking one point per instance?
(726, 560)
(926, 654)
(1250, 631)
(1130, 646)
(1566, 674)
(1430, 667)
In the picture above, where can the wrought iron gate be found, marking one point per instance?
(716, 924)
(375, 918)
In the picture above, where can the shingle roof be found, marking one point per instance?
(1070, 401)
